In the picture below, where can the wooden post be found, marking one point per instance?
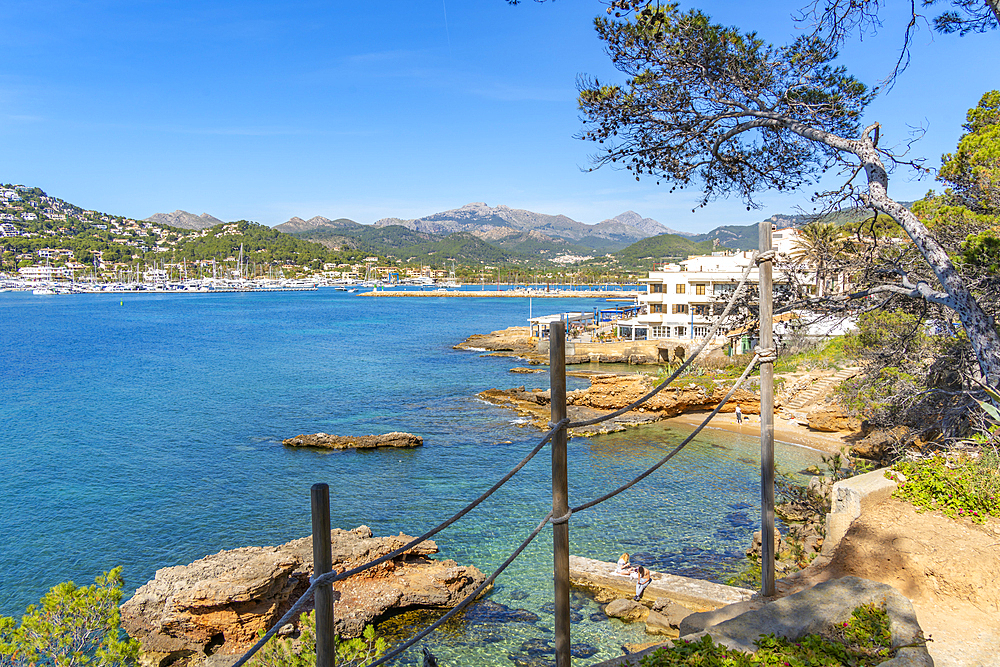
(766, 421)
(323, 563)
(560, 491)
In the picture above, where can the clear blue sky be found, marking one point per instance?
(266, 110)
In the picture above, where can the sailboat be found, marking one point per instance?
(451, 278)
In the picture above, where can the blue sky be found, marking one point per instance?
(265, 110)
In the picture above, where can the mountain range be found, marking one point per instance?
(515, 231)
(185, 220)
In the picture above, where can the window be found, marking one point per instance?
(699, 290)
(681, 287)
(702, 310)
(700, 332)
(656, 307)
(659, 332)
(723, 288)
(655, 288)
(681, 308)
(680, 332)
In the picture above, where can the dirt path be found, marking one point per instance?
(947, 568)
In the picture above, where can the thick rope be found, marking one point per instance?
(330, 577)
(562, 519)
(687, 362)
(766, 355)
(464, 603)
(766, 256)
(650, 471)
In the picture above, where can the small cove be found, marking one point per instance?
(145, 431)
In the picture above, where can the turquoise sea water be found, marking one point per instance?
(145, 430)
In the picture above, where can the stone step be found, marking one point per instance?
(820, 387)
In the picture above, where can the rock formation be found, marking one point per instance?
(609, 392)
(509, 342)
(327, 441)
(832, 418)
(219, 603)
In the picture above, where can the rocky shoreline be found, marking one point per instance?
(610, 392)
(217, 605)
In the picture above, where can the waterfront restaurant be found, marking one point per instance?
(575, 322)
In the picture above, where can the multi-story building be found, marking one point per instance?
(45, 272)
(683, 300)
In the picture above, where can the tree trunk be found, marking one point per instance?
(978, 325)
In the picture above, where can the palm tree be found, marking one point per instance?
(819, 244)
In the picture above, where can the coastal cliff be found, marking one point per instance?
(219, 604)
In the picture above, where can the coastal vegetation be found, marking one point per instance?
(862, 640)
(960, 486)
(301, 651)
(72, 626)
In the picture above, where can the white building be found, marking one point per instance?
(45, 272)
(683, 300)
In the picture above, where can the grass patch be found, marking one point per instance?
(957, 485)
(859, 642)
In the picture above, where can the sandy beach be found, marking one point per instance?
(785, 430)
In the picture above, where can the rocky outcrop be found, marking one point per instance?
(509, 342)
(879, 444)
(327, 441)
(832, 418)
(219, 603)
(609, 392)
(626, 610)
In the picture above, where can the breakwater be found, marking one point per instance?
(508, 294)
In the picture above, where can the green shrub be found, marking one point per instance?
(958, 486)
(861, 641)
(301, 651)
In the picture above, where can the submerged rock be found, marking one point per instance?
(327, 441)
(494, 613)
(219, 603)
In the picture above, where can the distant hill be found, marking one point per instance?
(661, 247)
(297, 224)
(375, 240)
(185, 220)
(746, 237)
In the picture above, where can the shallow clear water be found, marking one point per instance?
(145, 430)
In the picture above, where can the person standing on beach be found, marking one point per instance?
(739, 415)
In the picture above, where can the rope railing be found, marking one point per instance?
(468, 599)
(328, 578)
(678, 448)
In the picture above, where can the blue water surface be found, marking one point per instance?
(145, 430)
